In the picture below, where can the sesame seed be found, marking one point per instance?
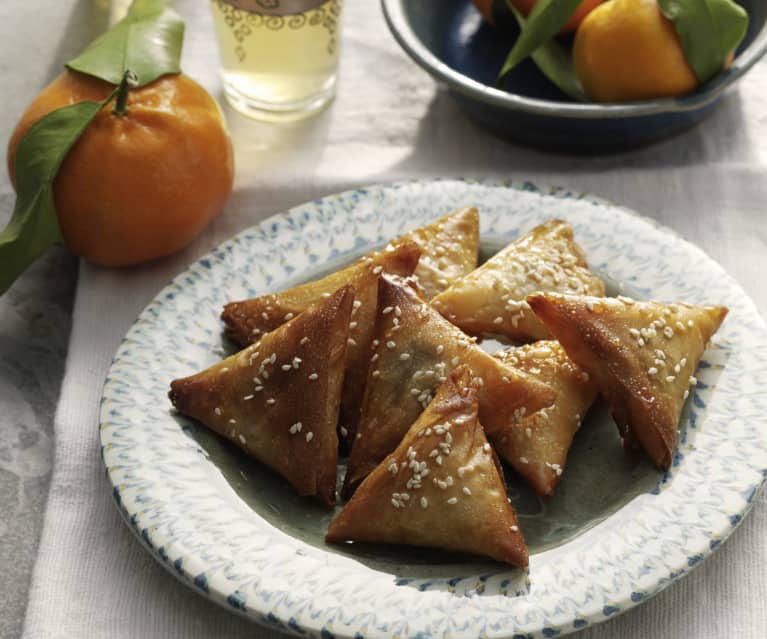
(523, 460)
(514, 528)
(693, 380)
(670, 378)
(352, 325)
(271, 401)
(357, 304)
(529, 432)
(398, 311)
(343, 431)
(690, 323)
(377, 270)
(683, 361)
(391, 345)
(677, 368)
(351, 341)
(375, 373)
(309, 436)
(652, 370)
(248, 397)
(404, 356)
(634, 332)
(313, 376)
(440, 349)
(232, 421)
(424, 502)
(452, 500)
(286, 367)
(265, 316)
(387, 310)
(258, 388)
(225, 369)
(686, 394)
(640, 341)
(242, 439)
(394, 502)
(466, 490)
(304, 340)
(668, 332)
(498, 320)
(393, 468)
(217, 410)
(455, 361)
(439, 460)
(289, 316)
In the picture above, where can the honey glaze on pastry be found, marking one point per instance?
(449, 250)
(440, 488)
(642, 356)
(279, 398)
(491, 299)
(415, 349)
(537, 446)
(248, 320)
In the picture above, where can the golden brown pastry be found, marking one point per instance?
(642, 356)
(278, 399)
(415, 349)
(491, 300)
(441, 487)
(537, 447)
(248, 320)
(449, 249)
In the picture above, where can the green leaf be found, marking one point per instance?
(555, 62)
(147, 41)
(543, 23)
(709, 31)
(34, 225)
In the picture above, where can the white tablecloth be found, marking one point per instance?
(390, 121)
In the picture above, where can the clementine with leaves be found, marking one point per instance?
(146, 176)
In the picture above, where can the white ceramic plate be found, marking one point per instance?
(237, 534)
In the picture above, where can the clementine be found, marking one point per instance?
(486, 8)
(628, 50)
(141, 185)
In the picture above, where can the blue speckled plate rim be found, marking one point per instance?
(188, 577)
(400, 27)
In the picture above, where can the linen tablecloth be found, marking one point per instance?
(390, 121)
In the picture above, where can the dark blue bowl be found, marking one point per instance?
(449, 39)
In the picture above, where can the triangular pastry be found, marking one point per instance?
(415, 349)
(440, 488)
(642, 356)
(537, 447)
(278, 399)
(248, 320)
(449, 249)
(491, 299)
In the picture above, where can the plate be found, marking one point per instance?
(449, 40)
(236, 533)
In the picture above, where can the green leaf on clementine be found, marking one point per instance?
(543, 23)
(34, 225)
(147, 41)
(709, 31)
(555, 62)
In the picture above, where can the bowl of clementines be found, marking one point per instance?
(590, 75)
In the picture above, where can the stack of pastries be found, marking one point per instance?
(382, 361)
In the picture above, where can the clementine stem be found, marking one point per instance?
(129, 81)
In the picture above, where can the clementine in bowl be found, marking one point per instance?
(139, 185)
(487, 8)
